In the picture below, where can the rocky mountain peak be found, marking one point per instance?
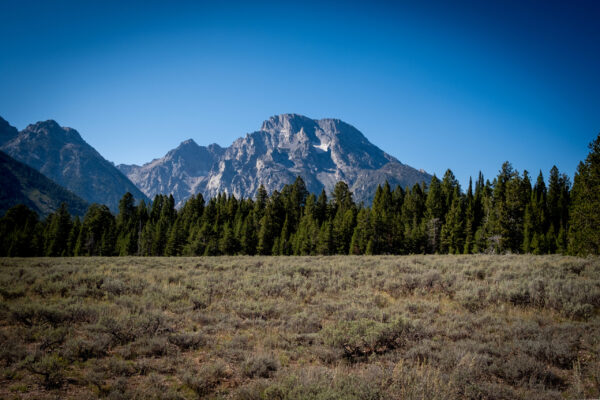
(188, 142)
(288, 123)
(53, 131)
(322, 152)
(62, 155)
(215, 148)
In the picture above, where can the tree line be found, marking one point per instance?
(512, 213)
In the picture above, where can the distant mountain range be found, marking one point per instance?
(322, 152)
(63, 156)
(21, 184)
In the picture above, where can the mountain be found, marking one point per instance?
(63, 156)
(7, 132)
(322, 152)
(21, 184)
(181, 172)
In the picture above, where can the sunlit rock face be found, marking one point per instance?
(322, 152)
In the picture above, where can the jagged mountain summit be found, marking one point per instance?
(62, 155)
(322, 152)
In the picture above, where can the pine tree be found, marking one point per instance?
(159, 238)
(285, 245)
(470, 227)
(325, 240)
(73, 235)
(535, 226)
(448, 185)
(511, 195)
(142, 218)
(59, 226)
(584, 231)
(305, 242)
(343, 228)
(97, 236)
(413, 211)
(381, 217)
(435, 205)
(266, 235)
(20, 233)
(261, 202)
(321, 208)
(362, 232)
(176, 239)
(249, 238)
(228, 243)
(127, 230)
(452, 235)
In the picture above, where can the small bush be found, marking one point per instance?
(82, 348)
(206, 378)
(188, 340)
(364, 337)
(50, 366)
(261, 366)
(11, 349)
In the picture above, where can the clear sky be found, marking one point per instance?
(464, 85)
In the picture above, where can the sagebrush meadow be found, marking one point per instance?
(299, 200)
(341, 327)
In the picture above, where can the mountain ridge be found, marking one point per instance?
(21, 184)
(62, 155)
(321, 151)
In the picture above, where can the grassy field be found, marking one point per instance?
(414, 327)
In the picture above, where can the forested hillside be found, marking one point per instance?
(21, 184)
(512, 213)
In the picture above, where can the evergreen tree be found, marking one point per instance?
(448, 186)
(261, 202)
(321, 209)
(435, 206)
(363, 232)
(73, 235)
(142, 218)
(584, 231)
(228, 243)
(58, 227)
(305, 242)
(382, 219)
(176, 239)
(127, 236)
(249, 238)
(325, 240)
(452, 235)
(470, 227)
(20, 231)
(266, 235)
(97, 234)
(413, 210)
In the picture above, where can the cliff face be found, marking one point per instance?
(322, 152)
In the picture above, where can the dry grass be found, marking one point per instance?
(414, 327)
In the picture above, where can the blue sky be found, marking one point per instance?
(464, 85)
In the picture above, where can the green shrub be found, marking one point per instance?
(188, 340)
(50, 366)
(83, 348)
(261, 366)
(364, 337)
(204, 380)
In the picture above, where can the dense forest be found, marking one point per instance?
(511, 214)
